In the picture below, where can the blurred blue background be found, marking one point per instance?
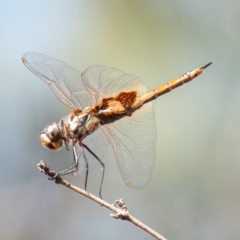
(194, 191)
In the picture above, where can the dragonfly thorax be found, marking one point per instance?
(80, 125)
(51, 137)
(78, 121)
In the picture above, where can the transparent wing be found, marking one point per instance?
(97, 78)
(132, 138)
(65, 81)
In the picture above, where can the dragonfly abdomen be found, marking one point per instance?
(176, 82)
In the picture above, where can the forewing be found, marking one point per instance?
(97, 78)
(65, 81)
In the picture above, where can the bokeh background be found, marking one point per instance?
(194, 191)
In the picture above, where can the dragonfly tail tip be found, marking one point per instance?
(207, 65)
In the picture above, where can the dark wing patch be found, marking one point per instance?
(126, 98)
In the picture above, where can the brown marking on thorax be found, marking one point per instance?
(105, 103)
(75, 112)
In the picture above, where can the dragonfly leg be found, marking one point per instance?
(72, 168)
(102, 164)
(87, 168)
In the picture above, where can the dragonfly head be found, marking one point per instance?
(51, 137)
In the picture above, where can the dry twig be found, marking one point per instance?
(119, 208)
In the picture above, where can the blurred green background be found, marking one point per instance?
(194, 191)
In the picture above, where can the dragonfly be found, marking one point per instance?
(107, 106)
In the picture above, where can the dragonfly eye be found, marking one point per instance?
(53, 132)
(51, 137)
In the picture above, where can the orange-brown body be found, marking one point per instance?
(109, 95)
(116, 107)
